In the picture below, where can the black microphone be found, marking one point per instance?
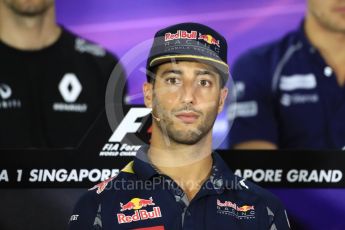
(156, 118)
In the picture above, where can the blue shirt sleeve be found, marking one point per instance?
(253, 115)
(277, 216)
(274, 216)
(86, 213)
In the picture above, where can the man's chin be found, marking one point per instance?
(30, 10)
(186, 137)
(190, 141)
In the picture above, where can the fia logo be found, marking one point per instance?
(129, 124)
(5, 91)
(70, 87)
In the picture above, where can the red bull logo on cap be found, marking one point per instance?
(137, 204)
(181, 34)
(209, 39)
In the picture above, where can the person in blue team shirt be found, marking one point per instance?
(291, 93)
(177, 182)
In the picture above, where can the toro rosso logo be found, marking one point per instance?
(137, 204)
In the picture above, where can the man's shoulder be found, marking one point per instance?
(89, 205)
(93, 195)
(125, 175)
(269, 206)
(86, 47)
(269, 53)
(254, 191)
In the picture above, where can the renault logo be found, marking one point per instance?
(70, 87)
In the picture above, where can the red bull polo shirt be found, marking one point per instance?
(141, 198)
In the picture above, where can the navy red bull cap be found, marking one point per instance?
(189, 42)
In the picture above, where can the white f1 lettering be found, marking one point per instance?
(129, 124)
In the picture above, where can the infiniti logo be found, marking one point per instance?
(6, 102)
(5, 91)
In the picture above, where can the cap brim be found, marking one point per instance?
(220, 65)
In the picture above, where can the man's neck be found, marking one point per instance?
(330, 44)
(188, 165)
(28, 33)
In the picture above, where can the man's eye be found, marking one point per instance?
(205, 83)
(172, 81)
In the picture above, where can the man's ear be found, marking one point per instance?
(222, 98)
(147, 90)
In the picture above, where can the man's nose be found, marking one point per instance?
(188, 93)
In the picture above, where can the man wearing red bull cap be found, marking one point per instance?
(179, 182)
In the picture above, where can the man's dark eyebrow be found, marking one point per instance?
(206, 71)
(168, 71)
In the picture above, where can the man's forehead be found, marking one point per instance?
(186, 65)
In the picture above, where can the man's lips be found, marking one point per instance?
(339, 9)
(187, 117)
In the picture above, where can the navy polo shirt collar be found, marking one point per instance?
(310, 49)
(302, 36)
(221, 176)
(141, 165)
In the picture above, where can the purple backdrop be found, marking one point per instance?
(120, 26)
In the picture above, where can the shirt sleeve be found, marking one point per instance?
(277, 217)
(86, 213)
(251, 112)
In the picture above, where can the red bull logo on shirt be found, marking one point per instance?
(209, 39)
(137, 204)
(232, 209)
(245, 208)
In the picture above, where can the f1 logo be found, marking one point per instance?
(70, 87)
(129, 124)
